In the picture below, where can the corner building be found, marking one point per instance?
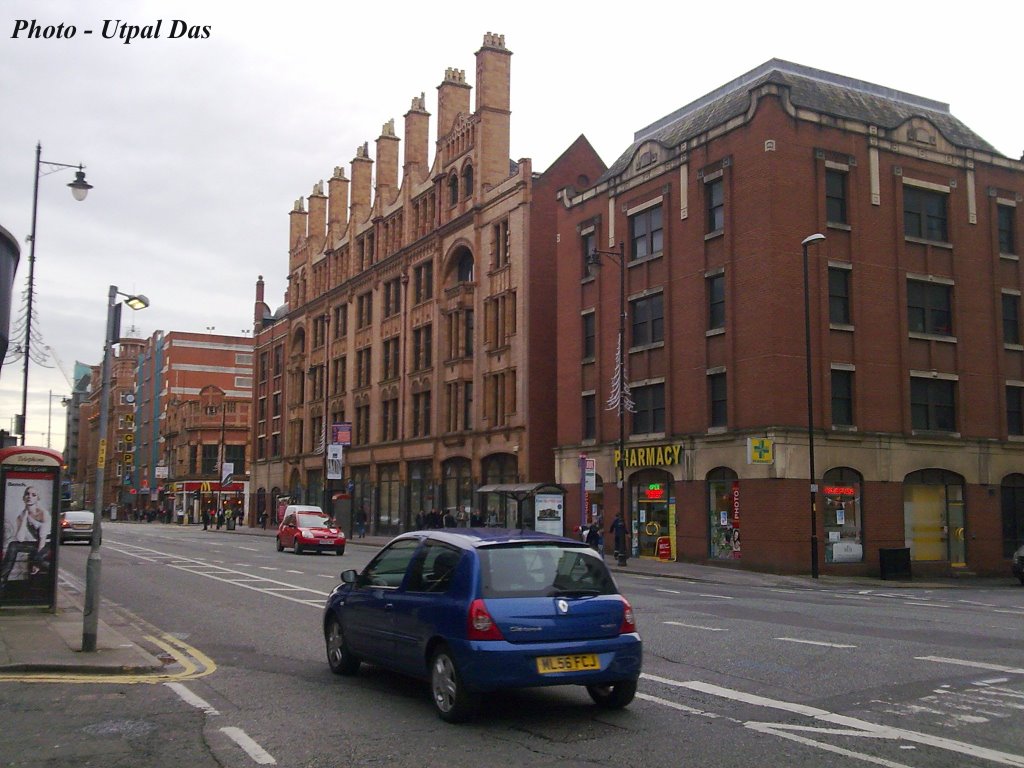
(419, 310)
(916, 362)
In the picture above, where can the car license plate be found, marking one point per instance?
(577, 662)
(81, 526)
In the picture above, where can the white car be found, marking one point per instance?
(76, 525)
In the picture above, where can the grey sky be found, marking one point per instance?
(197, 148)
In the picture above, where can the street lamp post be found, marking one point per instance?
(79, 189)
(815, 238)
(49, 414)
(620, 398)
(92, 569)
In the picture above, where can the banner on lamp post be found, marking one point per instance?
(334, 461)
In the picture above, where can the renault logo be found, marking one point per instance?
(563, 606)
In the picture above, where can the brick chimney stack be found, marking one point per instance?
(337, 205)
(296, 224)
(362, 171)
(417, 140)
(317, 222)
(493, 89)
(452, 98)
(387, 163)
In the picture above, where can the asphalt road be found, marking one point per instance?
(733, 676)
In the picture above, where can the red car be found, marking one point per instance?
(310, 531)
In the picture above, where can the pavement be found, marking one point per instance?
(44, 640)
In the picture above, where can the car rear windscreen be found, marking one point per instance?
(534, 570)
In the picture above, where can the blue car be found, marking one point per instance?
(475, 610)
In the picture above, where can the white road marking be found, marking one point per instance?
(856, 726)
(670, 591)
(976, 664)
(250, 747)
(695, 626)
(775, 730)
(674, 705)
(1003, 610)
(191, 699)
(719, 597)
(815, 642)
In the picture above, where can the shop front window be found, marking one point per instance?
(841, 494)
(388, 510)
(723, 514)
(458, 485)
(499, 468)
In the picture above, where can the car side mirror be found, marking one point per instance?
(349, 576)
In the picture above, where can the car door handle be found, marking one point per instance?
(388, 606)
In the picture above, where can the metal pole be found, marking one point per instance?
(627, 519)
(28, 313)
(93, 565)
(810, 410)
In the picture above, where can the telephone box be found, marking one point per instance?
(30, 512)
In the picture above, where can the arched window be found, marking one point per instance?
(841, 488)
(723, 514)
(465, 267)
(1013, 513)
(467, 181)
(453, 189)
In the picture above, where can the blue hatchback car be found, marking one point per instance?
(475, 610)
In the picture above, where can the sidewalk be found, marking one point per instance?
(37, 640)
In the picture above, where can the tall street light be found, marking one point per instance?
(79, 189)
(92, 567)
(815, 238)
(620, 398)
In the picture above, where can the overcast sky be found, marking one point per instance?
(197, 148)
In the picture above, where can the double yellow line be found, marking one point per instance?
(193, 662)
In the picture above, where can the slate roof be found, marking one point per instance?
(824, 92)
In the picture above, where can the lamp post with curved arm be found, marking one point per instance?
(79, 189)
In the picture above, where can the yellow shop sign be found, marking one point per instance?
(651, 456)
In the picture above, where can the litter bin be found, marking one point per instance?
(231, 523)
(894, 563)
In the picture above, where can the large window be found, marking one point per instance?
(392, 297)
(650, 409)
(842, 398)
(588, 243)
(716, 301)
(839, 295)
(1005, 224)
(589, 416)
(1011, 318)
(391, 358)
(363, 367)
(423, 281)
(645, 233)
(1015, 410)
(389, 418)
(929, 307)
(648, 320)
(422, 347)
(714, 198)
(421, 414)
(1013, 513)
(717, 397)
(835, 197)
(924, 214)
(589, 335)
(933, 404)
(364, 310)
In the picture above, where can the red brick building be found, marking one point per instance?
(915, 331)
(419, 311)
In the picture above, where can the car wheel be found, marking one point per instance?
(280, 546)
(340, 659)
(613, 695)
(297, 546)
(453, 702)
(339, 551)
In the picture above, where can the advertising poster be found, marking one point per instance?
(334, 461)
(28, 563)
(549, 513)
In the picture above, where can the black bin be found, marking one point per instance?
(231, 524)
(894, 563)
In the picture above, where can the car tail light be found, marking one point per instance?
(480, 624)
(628, 619)
(64, 523)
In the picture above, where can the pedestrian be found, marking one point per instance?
(618, 531)
(206, 519)
(263, 519)
(593, 536)
(419, 520)
(361, 524)
(220, 518)
(449, 519)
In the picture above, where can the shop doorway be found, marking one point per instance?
(934, 518)
(653, 505)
